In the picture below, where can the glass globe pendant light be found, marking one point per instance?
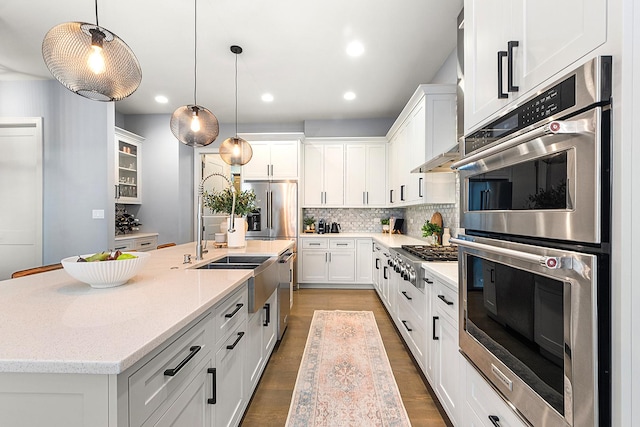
(193, 124)
(236, 151)
(91, 61)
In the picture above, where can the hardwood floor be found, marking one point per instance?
(270, 403)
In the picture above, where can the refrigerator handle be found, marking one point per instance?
(270, 209)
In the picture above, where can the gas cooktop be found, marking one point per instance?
(433, 253)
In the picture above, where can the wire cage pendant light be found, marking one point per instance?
(91, 61)
(236, 151)
(193, 124)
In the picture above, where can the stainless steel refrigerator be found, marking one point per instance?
(276, 216)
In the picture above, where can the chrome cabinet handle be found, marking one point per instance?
(420, 187)
(510, 86)
(501, 55)
(545, 261)
(213, 398)
(173, 371)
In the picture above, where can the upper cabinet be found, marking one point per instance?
(128, 171)
(366, 180)
(272, 160)
(511, 47)
(425, 128)
(323, 175)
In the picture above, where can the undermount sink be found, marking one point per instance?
(216, 266)
(231, 259)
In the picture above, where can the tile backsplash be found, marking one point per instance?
(354, 220)
(367, 220)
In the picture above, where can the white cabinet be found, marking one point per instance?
(323, 175)
(272, 160)
(328, 261)
(410, 318)
(128, 168)
(132, 243)
(262, 330)
(425, 128)
(482, 403)
(364, 262)
(231, 393)
(365, 180)
(545, 44)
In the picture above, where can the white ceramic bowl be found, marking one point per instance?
(105, 274)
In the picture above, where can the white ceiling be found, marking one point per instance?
(293, 49)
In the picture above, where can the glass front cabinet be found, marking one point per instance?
(128, 167)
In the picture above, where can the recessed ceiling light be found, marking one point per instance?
(267, 97)
(355, 48)
(161, 99)
(349, 96)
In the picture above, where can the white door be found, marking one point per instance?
(342, 266)
(313, 169)
(284, 160)
(376, 175)
(334, 175)
(356, 178)
(259, 165)
(21, 194)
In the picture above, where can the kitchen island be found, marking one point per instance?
(65, 345)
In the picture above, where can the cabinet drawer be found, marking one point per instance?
(125, 245)
(414, 298)
(314, 243)
(446, 301)
(146, 244)
(231, 312)
(342, 244)
(482, 400)
(412, 329)
(152, 386)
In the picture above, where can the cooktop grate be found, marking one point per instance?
(433, 253)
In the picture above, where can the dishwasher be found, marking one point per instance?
(285, 285)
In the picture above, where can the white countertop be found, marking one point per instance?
(385, 239)
(134, 236)
(52, 323)
(447, 272)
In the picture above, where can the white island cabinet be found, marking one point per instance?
(168, 348)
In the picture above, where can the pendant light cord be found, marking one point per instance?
(97, 24)
(195, 52)
(236, 95)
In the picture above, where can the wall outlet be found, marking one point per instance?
(410, 220)
(97, 214)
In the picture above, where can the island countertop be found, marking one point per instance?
(52, 323)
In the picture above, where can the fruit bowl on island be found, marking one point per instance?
(105, 273)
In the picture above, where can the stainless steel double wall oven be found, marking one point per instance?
(535, 257)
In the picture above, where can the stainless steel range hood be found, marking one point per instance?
(440, 163)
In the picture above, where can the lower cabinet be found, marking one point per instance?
(198, 377)
(334, 261)
(140, 244)
(483, 406)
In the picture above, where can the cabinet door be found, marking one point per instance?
(550, 42)
(254, 356)
(364, 268)
(313, 175)
(270, 325)
(376, 171)
(259, 165)
(230, 384)
(392, 189)
(487, 29)
(402, 159)
(333, 175)
(440, 126)
(191, 407)
(314, 266)
(284, 160)
(447, 365)
(342, 266)
(356, 179)
(128, 168)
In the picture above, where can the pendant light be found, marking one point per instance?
(91, 61)
(193, 124)
(236, 151)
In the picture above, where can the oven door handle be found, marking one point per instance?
(551, 128)
(545, 261)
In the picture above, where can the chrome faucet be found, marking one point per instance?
(200, 231)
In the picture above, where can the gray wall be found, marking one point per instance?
(78, 164)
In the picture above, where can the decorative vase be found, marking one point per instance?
(237, 239)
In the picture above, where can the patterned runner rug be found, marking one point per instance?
(345, 378)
